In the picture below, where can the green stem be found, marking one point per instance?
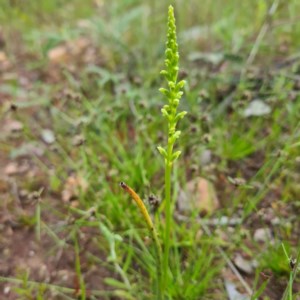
(160, 288)
(168, 210)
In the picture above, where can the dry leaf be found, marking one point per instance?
(69, 51)
(4, 61)
(28, 149)
(3, 57)
(72, 188)
(12, 126)
(78, 140)
(14, 168)
(58, 54)
(3, 185)
(11, 169)
(78, 45)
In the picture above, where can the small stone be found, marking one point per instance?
(243, 264)
(48, 136)
(6, 290)
(233, 293)
(199, 194)
(205, 157)
(275, 221)
(257, 108)
(262, 235)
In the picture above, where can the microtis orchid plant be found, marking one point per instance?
(173, 94)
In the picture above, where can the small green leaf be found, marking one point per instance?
(115, 283)
(177, 134)
(171, 84)
(168, 53)
(180, 115)
(165, 92)
(164, 72)
(162, 151)
(179, 94)
(180, 84)
(176, 102)
(165, 113)
(175, 155)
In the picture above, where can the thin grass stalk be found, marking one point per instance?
(168, 211)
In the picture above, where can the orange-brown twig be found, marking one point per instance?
(152, 230)
(139, 203)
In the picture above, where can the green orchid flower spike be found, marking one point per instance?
(173, 93)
